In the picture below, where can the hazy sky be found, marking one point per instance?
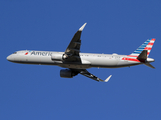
(35, 92)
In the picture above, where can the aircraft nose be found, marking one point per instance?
(10, 58)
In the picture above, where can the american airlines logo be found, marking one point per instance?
(41, 53)
(27, 52)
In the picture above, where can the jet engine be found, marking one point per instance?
(67, 73)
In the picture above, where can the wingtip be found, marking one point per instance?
(81, 28)
(108, 78)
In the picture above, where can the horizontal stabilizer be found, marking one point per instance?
(143, 58)
(149, 65)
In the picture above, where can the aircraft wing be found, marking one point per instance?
(87, 74)
(73, 49)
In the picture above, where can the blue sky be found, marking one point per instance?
(113, 26)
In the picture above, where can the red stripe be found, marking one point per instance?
(26, 53)
(130, 59)
(147, 48)
(132, 56)
(150, 43)
(153, 39)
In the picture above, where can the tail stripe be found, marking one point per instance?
(150, 43)
(147, 45)
(147, 48)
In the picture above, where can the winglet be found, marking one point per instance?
(108, 78)
(81, 28)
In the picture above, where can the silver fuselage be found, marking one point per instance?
(88, 60)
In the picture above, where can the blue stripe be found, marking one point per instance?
(141, 48)
(147, 41)
(136, 52)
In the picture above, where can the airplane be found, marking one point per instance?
(76, 63)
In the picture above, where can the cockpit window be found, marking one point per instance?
(15, 53)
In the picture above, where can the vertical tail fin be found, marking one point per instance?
(147, 45)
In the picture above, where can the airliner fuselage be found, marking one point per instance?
(77, 62)
(88, 60)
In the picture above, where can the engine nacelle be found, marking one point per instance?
(57, 57)
(67, 73)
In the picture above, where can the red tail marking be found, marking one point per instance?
(132, 56)
(147, 48)
(150, 43)
(130, 59)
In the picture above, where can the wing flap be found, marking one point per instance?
(89, 75)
